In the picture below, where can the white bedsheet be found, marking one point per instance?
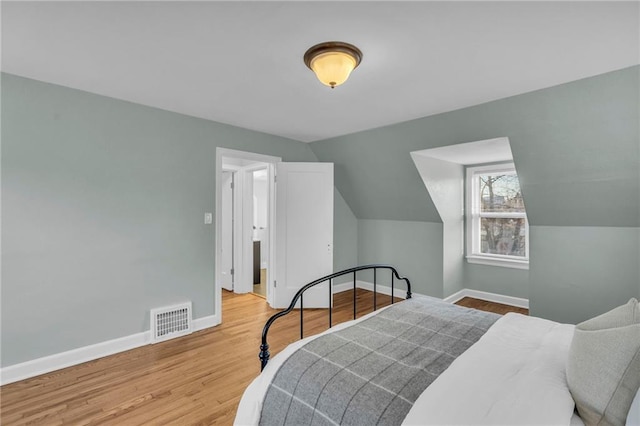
(515, 374)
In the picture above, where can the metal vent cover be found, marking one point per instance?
(170, 321)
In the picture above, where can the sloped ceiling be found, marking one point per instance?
(241, 62)
(576, 148)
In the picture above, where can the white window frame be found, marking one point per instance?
(473, 216)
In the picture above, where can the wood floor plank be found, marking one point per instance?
(497, 308)
(196, 379)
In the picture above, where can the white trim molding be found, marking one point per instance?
(505, 263)
(365, 285)
(474, 214)
(242, 267)
(383, 289)
(489, 297)
(47, 364)
(339, 288)
(465, 292)
(205, 322)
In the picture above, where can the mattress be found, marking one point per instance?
(515, 374)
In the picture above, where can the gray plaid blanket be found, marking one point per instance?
(373, 371)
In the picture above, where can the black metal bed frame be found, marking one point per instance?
(264, 347)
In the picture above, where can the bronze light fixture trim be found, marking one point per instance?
(333, 61)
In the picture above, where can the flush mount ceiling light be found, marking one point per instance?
(333, 61)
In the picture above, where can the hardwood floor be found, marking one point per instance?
(196, 379)
(261, 288)
(483, 305)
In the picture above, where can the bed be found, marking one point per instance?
(427, 362)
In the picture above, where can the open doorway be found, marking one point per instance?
(304, 230)
(244, 214)
(245, 233)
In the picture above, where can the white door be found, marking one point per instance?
(227, 230)
(304, 232)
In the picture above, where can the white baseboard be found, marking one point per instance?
(382, 289)
(28, 369)
(25, 370)
(365, 285)
(465, 292)
(339, 288)
(205, 322)
(489, 297)
(456, 296)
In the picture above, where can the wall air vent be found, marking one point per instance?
(170, 321)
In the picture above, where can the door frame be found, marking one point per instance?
(232, 171)
(245, 231)
(242, 266)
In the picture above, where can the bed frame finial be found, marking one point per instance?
(264, 356)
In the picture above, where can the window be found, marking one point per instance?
(497, 227)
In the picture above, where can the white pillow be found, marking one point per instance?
(603, 368)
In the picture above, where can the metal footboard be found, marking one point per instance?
(264, 347)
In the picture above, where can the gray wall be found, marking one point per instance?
(576, 148)
(102, 205)
(345, 236)
(508, 281)
(414, 248)
(444, 181)
(102, 214)
(599, 270)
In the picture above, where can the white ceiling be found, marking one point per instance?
(241, 62)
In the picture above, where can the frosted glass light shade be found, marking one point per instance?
(333, 68)
(332, 62)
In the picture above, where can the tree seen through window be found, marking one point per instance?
(500, 193)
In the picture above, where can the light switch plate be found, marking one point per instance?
(208, 218)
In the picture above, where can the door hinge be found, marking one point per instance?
(231, 185)
(275, 178)
(275, 283)
(232, 271)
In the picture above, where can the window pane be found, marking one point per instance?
(503, 236)
(500, 193)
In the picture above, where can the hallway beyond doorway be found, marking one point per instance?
(260, 289)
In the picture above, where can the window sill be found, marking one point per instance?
(503, 263)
